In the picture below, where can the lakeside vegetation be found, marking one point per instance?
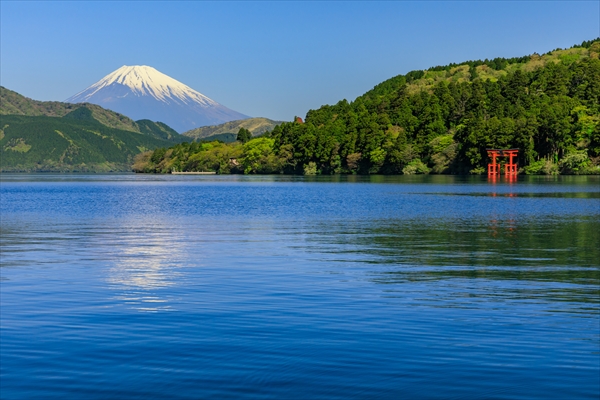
(440, 120)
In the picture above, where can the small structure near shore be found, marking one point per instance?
(510, 168)
(193, 173)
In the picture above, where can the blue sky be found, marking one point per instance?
(271, 59)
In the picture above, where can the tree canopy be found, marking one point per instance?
(442, 121)
(244, 135)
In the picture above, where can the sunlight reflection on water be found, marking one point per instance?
(234, 287)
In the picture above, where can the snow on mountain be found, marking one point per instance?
(142, 92)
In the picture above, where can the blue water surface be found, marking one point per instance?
(160, 286)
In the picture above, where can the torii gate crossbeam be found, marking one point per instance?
(510, 168)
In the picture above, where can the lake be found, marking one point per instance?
(181, 287)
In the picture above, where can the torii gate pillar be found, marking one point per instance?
(510, 168)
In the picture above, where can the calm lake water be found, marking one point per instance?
(142, 286)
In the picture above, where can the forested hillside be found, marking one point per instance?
(75, 142)
(56, 136)
(436, 121)
(159, 130)
(13, 103)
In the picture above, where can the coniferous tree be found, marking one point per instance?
(244, 135)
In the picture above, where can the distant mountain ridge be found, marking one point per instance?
(13, 103)
(256, 126)
(54, 136)
(64, 137)
(68, 144)
(142, 92)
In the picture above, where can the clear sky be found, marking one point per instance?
(271, 59)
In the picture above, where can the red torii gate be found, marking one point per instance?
(510, 168)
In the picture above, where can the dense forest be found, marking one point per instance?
(440, 120)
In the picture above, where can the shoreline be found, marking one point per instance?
(193, 173)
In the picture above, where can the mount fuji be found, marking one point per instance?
(142, 92)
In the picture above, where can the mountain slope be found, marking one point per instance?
(13, 103)
(220, 137)
(142, 92)
(75, 142)
(256, 126)
(159, 130)
(483, 70)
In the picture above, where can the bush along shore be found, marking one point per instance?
(439, 121)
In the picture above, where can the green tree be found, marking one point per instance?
(244, 135)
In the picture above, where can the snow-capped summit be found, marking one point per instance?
(146, 81)
(142, 92)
